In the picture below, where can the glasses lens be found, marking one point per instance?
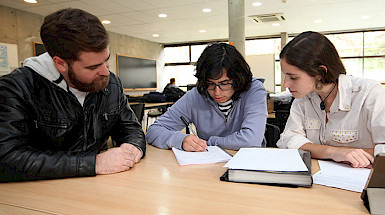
(223, 87)
(226, 86)
(211, 86)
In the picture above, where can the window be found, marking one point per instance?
(374, 44)
(353, 66)
(196, 52)
(179, 54)
(263, 46)
(183, 75)
(347, 45)
(362, 53)
(374, 68)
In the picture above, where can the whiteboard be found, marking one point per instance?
(8, 58)
(263, 66)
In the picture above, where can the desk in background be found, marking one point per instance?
(147, 106)
(157, 185)
(154, 105)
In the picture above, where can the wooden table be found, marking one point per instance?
(157, 185)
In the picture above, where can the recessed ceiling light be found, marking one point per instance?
(106, 22)
(202, 31)
(206, 10)
(31, 1)
(155, 35)
(162, 15)
(317, 21)
(365, 17)
(276, 24)
(256, 4)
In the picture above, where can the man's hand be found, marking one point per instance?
(117, 159)
(135, 151)
(192, 143)
(357, 158)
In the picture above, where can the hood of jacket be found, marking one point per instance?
(44, 66)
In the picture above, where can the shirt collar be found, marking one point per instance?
(344, 95)
(343, 98)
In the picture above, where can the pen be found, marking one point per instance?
(188, 126)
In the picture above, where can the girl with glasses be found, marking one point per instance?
(227, 106)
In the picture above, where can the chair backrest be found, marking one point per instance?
(272, 133)
(139, 111)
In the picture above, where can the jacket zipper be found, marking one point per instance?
(86, 119)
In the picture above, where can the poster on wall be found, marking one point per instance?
(8, 58)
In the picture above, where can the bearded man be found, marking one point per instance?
(58, 110)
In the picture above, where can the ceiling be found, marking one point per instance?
(139, 18)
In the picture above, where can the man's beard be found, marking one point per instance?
(98, 84)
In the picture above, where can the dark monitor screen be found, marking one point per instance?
(136, 73)
(38, 48)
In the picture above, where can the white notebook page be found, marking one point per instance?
(267, 159)
(214, 154)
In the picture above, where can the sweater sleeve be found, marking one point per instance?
(165, 132)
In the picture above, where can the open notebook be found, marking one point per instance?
(214, 154)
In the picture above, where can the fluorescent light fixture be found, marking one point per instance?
(106, 22)
(317, 21)
(276, 24)
(206, 10)
(202, 31)
(365, 17)
(162, 15)
(155, 35)
(31, 1)
(256, 4)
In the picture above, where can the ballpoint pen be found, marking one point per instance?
(188, 126)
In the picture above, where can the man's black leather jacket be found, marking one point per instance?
(45, 132)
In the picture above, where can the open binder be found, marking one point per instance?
(374, 192)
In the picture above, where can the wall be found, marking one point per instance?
(20, 28)
(263, 66)
(23, 28)
(135, 47)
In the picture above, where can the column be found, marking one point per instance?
(237, 25)
(284, 40)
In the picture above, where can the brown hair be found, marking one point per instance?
(69, 31)
(310, 50)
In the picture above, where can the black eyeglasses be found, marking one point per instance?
(223, 87)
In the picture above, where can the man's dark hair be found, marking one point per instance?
(69, 31)
(310, 50)
(214, 59)
(172, 80)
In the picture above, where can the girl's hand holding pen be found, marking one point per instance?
(192, 143)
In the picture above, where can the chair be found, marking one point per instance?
(153, 114)
(139, 111)
(272, 133)
(281, 118)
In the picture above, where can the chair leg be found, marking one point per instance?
(147, 123)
